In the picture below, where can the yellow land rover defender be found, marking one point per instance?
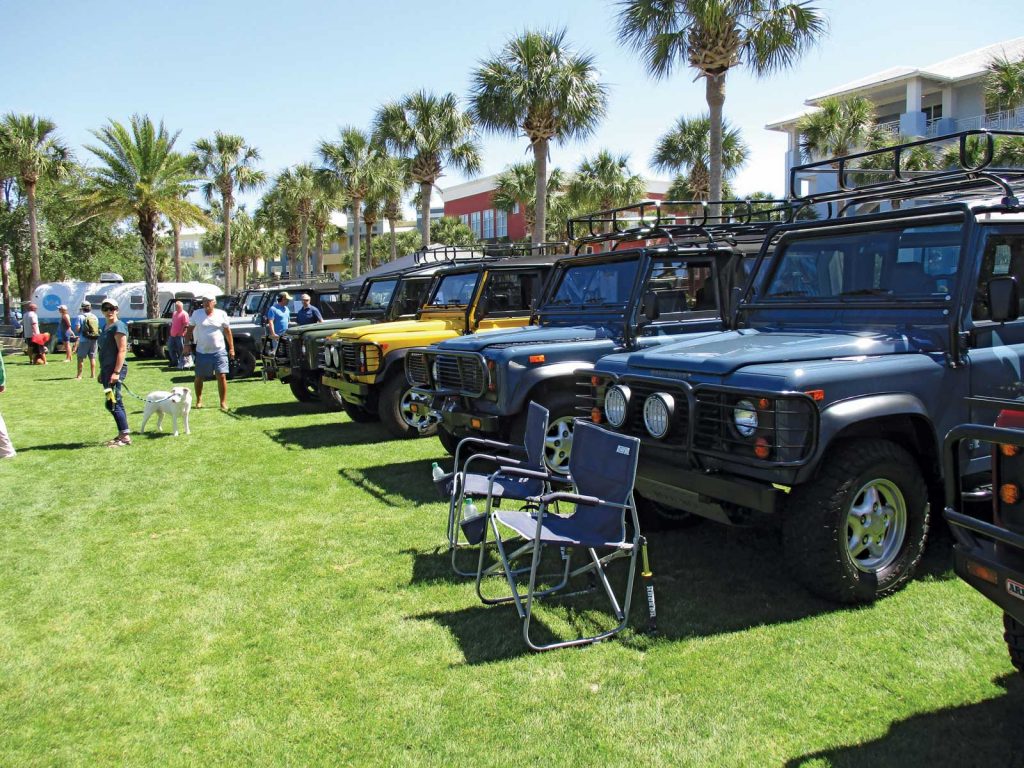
(367, 364)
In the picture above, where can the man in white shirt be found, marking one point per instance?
(210, 332)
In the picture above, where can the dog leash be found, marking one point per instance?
(143, 399)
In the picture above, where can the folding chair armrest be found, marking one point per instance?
(503, 461)
(494, 445)
(518, 471)
(575, 498)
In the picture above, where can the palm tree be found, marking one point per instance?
(277, 213)
(142, 178)
(1004, 83)
(431, 132)
(686, 151)
(347, 163)
(605, 182)
(32, 153)
(228, 163)
(838, 127)
(299, 186)
(539, 86)
(517, 185)
(714, 36)
(392, 182)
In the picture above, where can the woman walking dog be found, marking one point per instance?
(113, 345)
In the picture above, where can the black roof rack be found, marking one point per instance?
(887, 178)
(435, 254)
(512, 250)
(670, 219)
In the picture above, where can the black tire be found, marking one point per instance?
(448, 441)
(330, 398)
(304, 391)
(395, 415)
(245, 364)
(820, 524)
(358, 414)
(558, 441)
(1014, 636)
(144, 351)
(160, 351)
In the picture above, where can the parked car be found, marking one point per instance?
(597, 303)
(389, 294)
(148, 338)
(989, 552)
(852, 353)
(367, 365)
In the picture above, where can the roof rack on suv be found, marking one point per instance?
(882, 174)
(431, 254)
(285, 280)
(510, 250)
(656, 219)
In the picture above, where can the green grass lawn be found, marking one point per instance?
(270, 591)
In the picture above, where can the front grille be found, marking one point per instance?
(416, 368)
(321, 356)
(284, 346)
(349, 358)
(464, 374)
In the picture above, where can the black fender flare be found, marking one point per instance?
(536, 377)
(393, 359)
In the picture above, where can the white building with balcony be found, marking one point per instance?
(935, 100)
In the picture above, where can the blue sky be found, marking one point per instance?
(286, 75)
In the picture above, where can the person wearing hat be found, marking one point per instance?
(278, 317)
(30, 327)
(113, 346)
(307, 314)
(86, 330)
(65, 333)
(210, 331)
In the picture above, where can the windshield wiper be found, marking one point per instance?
(868, 292)
(780, 294)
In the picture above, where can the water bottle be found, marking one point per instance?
(469, 510)
(436, 473)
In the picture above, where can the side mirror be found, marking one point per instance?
(1003, 299)
(483, 307)
(649, 307)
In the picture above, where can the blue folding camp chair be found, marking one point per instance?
(466, 527)
(603, 468)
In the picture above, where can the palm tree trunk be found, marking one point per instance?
(318, 252)
(176, 231)
(147, 232)
(305, 247)
(33, 229)
(394, 238)
(426, 187)
(715, 94)
(540, 160)
(5, 279)
(369, 241)
(227, 243)
(357, 203)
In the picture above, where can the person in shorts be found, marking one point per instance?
(210, 333)
(65, 333)
(86, 344)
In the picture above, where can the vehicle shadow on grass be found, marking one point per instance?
(397, 485)
(986, 733)
(333, 435)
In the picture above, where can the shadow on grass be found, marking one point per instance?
(397, 485)
(487, 634)
(57, 447)
(271, 410)
(331, 435)
(986, 733)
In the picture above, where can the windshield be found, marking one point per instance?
(455, 290)
(911, 262)
(409, 296)
(378, 294)
(683, 286)
(251, 302)
(604, 284)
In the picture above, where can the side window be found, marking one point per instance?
(683, 287)
(1003, 255)
(137, 301)
(512, 291)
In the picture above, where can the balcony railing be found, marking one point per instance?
(1005, 120)
(892, 128)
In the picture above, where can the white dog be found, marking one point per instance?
(177, 402)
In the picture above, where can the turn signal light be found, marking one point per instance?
(536, 358)
(816, 394)
(983, 572)
(595, 415)
(595, 380)
(475, 423)
(1009, 450)
(763, 403)
(761, 448)
(1009, 493)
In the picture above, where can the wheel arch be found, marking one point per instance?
(546, 381)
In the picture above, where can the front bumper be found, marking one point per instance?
(458, 421)
(976, 546)
(354, 392)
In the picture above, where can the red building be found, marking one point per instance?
(471, 203)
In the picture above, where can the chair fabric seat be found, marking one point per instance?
(504, 487)
(563, 531)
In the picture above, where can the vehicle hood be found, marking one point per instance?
(526, 336)
(371, 333)
(320, 330)
(725, 352)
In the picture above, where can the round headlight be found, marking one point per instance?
(744, 418)
(334, 357)
(435, 371)
(616, 403)
(658, 414)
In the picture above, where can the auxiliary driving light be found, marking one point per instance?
(658, 414)
(616, 404)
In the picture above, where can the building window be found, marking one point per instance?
(933, 112)
(489, 224)
(189, 250)
(501, 222)
(474, 222)
(464, 218)
(515, 208)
